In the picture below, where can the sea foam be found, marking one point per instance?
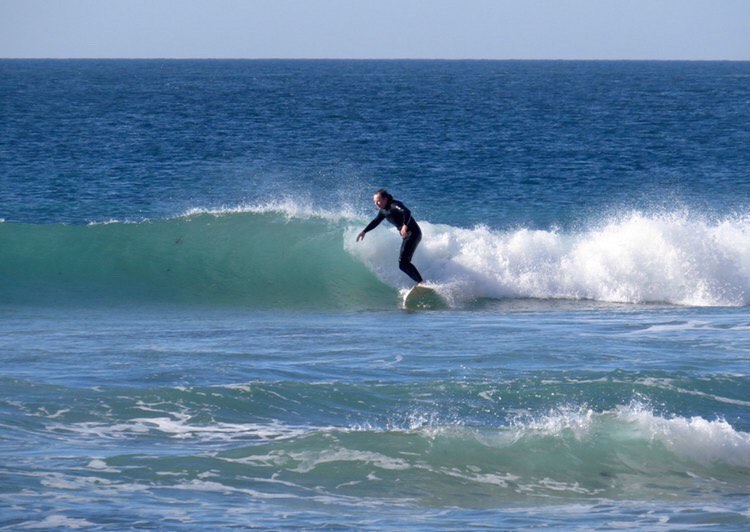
(669, 258)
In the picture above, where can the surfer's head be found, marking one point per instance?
(382, 198)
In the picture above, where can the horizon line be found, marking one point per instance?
(165, 58)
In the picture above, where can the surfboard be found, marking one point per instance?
(422, 297)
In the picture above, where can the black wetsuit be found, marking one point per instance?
(397, 213)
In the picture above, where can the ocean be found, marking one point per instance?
(192, 338)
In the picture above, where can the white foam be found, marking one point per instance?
(56, 521)
(179, 426)
(100, 465)
(217, 487)
(116, 221)
(694, 438)
(670, 327)
(636, 258)
(288, 207)
(309, 460)
(576, 420)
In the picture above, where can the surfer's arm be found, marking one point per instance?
(372, 225)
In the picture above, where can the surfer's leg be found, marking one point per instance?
(407, 251)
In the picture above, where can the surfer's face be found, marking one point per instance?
(379, 201)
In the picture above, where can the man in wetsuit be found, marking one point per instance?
(396, 212)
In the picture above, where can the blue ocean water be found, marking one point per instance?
(191, 337)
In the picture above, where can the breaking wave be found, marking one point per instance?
(283, 256)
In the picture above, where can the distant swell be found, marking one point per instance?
(279, 257)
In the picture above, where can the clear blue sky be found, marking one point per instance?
(476, 29)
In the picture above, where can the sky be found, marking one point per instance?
(382, 29)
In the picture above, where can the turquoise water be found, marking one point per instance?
(191, 337)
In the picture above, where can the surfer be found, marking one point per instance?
(396, 212)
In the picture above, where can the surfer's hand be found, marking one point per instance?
(360, 236)
(404, 232)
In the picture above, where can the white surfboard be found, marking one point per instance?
(422, 297)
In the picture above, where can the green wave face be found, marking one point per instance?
(247, 259)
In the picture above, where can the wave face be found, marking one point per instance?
(280, 257)
(255, 258)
